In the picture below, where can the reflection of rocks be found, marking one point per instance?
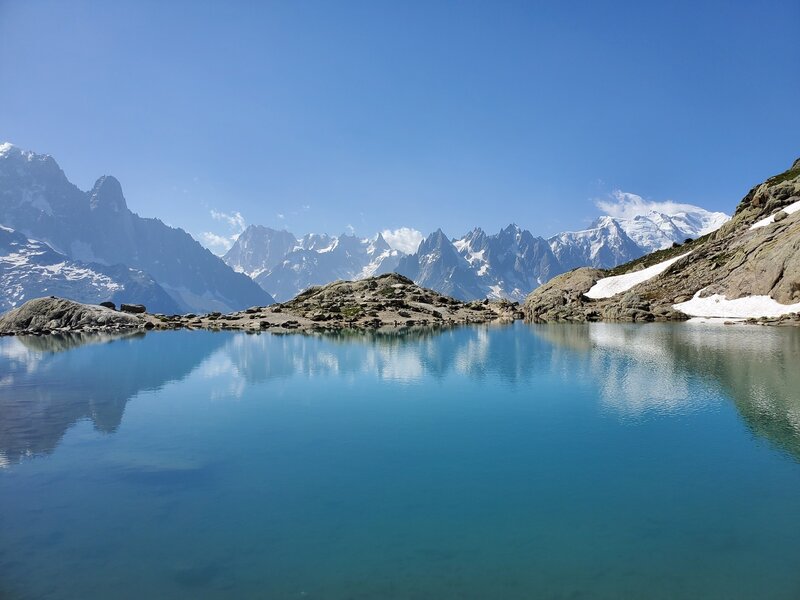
(406, 355)
(650, 368)
(68, 341)
(44, 389)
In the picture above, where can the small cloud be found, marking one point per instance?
(306, 208)
(404, 239)
(221, 243)
(625, 205)
(218, 244)
(350, 229)
(234, 220)
(281, 216)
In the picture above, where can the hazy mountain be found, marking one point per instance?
(285, 266)
(259, 249)
(31, 269)
(37, 200)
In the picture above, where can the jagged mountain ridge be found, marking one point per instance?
(31, 269)
(508, 264)
(514, 262)
(285, 266)
(37, 200)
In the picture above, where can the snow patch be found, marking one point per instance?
(610, 286)
(719, 306)
(792, 208)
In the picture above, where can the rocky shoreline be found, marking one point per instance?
(384, 302)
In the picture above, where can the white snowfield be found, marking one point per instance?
(792, 208)
(611, 286)
(718, 306)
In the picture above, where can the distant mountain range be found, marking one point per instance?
(89, 246)
(279, 262)
(508, 264)
(38, 201)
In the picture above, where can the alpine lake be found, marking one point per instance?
(519, 461)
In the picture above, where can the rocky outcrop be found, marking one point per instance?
(57, 315)
(735, 261)
(562, 298)
(135, 309)
(388, 301)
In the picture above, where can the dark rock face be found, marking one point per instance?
(37, 200)
(136, 309)
(734, 261)
(110, 305)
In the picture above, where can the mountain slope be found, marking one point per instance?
(749, 267)
(31, 269)
(37, 200)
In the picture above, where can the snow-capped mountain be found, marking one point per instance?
(37, 200)
(508, 264)
(657, 230)
(512, 263)
(285, 266)
(32, 269)
(604, 244)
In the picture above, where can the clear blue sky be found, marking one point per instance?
(387, 114)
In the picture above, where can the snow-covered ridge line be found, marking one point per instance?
(611, 286)
(792, 208)
(718, 306)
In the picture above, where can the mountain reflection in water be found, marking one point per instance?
(49, 383)
(646, 368)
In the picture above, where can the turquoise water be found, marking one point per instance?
(600, 461)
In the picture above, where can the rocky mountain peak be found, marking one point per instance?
(435, 240)
(106, 195)
(20, 162)
(380, 244)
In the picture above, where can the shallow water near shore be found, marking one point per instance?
(520, 461)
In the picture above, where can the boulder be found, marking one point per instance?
(135, 309)
(57, 314)
(108, 304)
